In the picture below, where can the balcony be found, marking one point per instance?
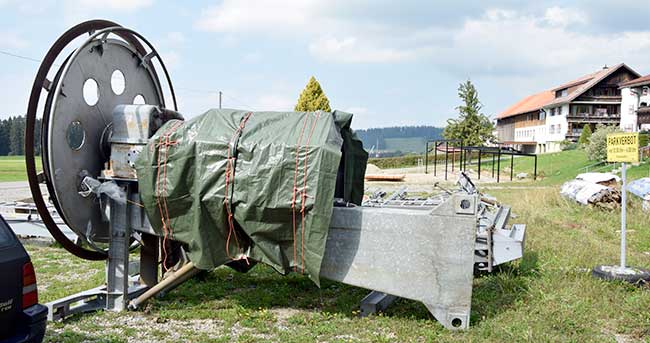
(604, 98)
(594, 118)
(573, 135)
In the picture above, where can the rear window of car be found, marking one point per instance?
(7, 238)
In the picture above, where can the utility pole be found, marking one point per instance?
(220, 99)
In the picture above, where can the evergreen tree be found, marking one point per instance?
(313, 98)
(4, 137)
(472, 127)
(12, 136)
(585, 135)
(16, 134)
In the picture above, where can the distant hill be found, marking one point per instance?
(398, 140)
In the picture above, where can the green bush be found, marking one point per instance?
(597, 147)
(585, 135)
(644, 139)
(568, 145)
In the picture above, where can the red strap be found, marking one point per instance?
(230, 176)
(163, 145)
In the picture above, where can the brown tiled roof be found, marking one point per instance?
(597, 77)
(537, 101)
(528, 104)
(578, 81)
(642, 81)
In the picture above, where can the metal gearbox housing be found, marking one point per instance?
(132, 125)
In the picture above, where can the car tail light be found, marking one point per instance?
(30, 293)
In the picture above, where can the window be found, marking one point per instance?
(542, 115)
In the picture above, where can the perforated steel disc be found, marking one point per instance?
(100, 75)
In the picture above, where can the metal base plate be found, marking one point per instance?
(628, 274)
(86, 301)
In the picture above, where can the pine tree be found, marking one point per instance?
(16, 135)
(585, 135)
(4, 137)
(313, 98)
(472, 127)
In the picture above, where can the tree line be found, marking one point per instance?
(12, 136)
(375, 136)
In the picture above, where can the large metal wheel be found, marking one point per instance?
(74, 132)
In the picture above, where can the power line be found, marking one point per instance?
(195, 90)
(238, 101)
(20, 56)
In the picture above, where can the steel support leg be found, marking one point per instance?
(117, 271)
(375, 302)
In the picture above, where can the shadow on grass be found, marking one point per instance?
(262, 288)
(499, 291)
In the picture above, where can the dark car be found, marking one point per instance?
(22, 318)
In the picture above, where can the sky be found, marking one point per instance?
(388, 62)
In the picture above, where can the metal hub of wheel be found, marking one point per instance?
(113, 66)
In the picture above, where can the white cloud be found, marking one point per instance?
(501, 41)
(175, 38)
(560, 16)
(330, 36)
(11, 40)
(171, 58)
(29, 7)
(353, 50)
(275, 102)
(75, 11)
(116, 5)
(258, 15)
(523, 43)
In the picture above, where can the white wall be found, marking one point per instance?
(629, 104)
(557, 125)
(531, 134)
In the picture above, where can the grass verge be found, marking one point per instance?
(12, 168)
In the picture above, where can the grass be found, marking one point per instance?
(556, 168)
(548, 296)
(12, 168)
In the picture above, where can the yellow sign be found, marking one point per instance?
(623, 147)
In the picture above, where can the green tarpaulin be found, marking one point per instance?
(282, 181)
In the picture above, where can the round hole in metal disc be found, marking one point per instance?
(139, 100)
(456, 322)
(118, 82)
(91, 92)
(75, 135)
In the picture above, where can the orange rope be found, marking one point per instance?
(229, 175)
(163, 155)
(304, 190)
(295, 190)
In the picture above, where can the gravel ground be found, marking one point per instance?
(17, 191)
